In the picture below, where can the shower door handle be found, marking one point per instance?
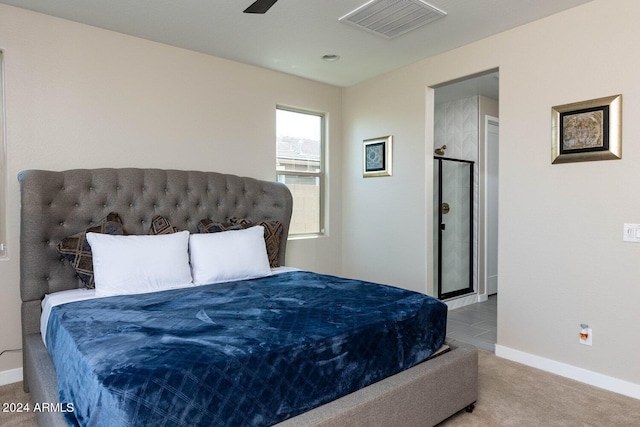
(444, 209)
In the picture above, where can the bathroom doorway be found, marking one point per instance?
(465, 127)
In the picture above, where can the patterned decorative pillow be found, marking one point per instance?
(209, 226)
(77, 250)
(161, 225)
(272, 234)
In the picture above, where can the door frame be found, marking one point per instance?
(495, 121)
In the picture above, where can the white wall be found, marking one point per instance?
(384, 230)
(78, 96)
(562, 258)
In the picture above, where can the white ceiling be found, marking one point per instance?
(293, 35)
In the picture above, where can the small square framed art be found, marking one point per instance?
(377, 156)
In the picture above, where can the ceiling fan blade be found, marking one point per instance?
(260, 6)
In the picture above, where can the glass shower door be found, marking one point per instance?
(454, 206)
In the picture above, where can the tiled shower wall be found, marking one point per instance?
(456, 125)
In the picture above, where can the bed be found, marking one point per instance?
(56, 205)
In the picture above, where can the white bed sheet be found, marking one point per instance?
(72, 295)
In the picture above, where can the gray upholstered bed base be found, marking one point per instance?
(57, 204)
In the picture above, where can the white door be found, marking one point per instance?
(491, 206)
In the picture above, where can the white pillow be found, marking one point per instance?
(139, 264)
(228, 255)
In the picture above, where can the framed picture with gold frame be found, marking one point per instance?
(586, 131)
(377, 156)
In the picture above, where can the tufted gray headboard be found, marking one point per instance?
(58, 204)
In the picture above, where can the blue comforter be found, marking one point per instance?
(252, 352)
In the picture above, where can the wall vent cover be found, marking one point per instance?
(392, 18)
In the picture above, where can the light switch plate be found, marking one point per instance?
(631, 233)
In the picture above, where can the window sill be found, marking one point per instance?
(306, 236)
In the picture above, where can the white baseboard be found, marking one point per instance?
(11, 376)
(460, 302)
(466, 300)
(569, 371)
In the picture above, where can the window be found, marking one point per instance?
(299, 165)
(3, 165)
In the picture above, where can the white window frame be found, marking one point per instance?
(320, 174)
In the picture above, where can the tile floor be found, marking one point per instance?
(475, 324)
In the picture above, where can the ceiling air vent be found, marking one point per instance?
(391, 18)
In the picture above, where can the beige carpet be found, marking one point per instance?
(510, 394)
(13, 394)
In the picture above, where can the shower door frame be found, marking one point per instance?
(470, 289)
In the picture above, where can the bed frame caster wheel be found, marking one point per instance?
(470, 408)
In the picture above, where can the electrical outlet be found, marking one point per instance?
(586, 338)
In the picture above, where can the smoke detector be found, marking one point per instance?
(392, 18)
